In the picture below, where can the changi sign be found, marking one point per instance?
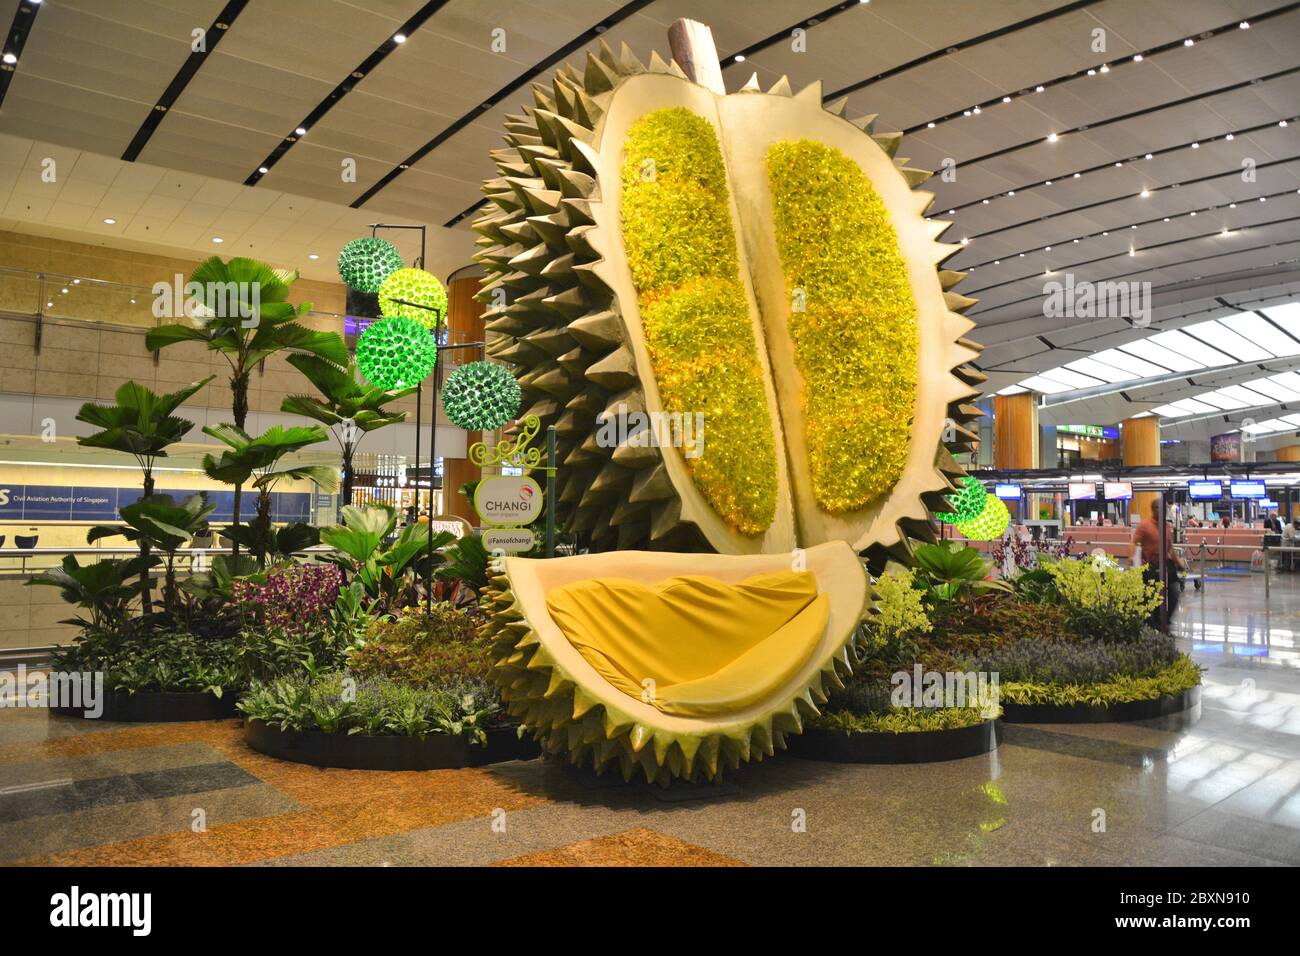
(508, 500)
(510, 540)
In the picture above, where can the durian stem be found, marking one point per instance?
(694, 51)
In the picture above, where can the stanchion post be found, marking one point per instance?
(550, 491)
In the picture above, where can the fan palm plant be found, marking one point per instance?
(142, 424)
(246, 316)
(160, 522)
(364, 546)
(259, 460)
(346, 406)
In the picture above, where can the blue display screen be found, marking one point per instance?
(1205, 489)
(61, 503)
(1248, 489)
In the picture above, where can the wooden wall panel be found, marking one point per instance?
(465, 322)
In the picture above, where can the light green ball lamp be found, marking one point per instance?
(481, 396)
(415, 294)
(365, 263)
(396, 352)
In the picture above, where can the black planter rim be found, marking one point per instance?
(152, 706)
(386, 752)
(920, 746)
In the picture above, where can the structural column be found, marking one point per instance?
(1140, 445)
(1015, 437)
(465, 324)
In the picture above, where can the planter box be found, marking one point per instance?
(360, 752)
(922, 746)
(1096, 714)
(158, 707)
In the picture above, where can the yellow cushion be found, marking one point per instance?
(708, 647)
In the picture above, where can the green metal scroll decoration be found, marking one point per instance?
(512, 452)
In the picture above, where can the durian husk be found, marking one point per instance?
(578, 716)
(570, 330)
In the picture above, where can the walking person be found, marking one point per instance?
(1148, 540)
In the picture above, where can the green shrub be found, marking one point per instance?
(1179, 676)
(339, 703)
(1037, 661)
(422, 649)
(901, 721)
(1103, 601)
(137, 659)
(898, 617)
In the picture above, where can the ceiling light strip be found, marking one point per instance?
(1136, 114)
(225, 19)
(1118, 230)
(1151, 190)
(364, 69)
(1104, 65)
(1138, 272)
(615, 18)
(964, 45)
(14, 42)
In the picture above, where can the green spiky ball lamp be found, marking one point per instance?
(415, 294)
(396, 352)
(365, 263)
(481, 396)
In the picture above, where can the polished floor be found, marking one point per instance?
(1219, 786)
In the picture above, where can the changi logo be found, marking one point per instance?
(74, 908)
(198, 301)
(1097, 300)
(507, 499)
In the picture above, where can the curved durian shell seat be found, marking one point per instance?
(739, 650)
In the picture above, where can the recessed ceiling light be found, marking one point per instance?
(1145, 193)
(1052, 137)
(740, 58)
(1106, 233)
(218, 239)
(300, 131)
(1148, 155)
(1244, 25)
(399, 37)
(263, 170)
(929, 125)
(1038, 89)
(976, 111)
(986, 202)
(1189, 42)
(76, 282)
(1011, 192)
(997, 262)
(49, 305)
(1166, 218)
(1105, 68)
(1192, 213)
(1132, 251)
(965, 241)
(63, 291)
(1137, 58)
(1196, 146)
(109, 222)
(1047, 248)
(1281, 122)
(1006, 99)
(966, 113)
(1092, 72)
(312, 255)
(10, 58)
(1232, 205)
(1077, 175)
(1263, 199)
(1230, 137)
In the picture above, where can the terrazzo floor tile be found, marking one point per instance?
(639, 847)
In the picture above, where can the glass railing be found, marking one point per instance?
(52, 295)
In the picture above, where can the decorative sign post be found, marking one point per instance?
(510, 503)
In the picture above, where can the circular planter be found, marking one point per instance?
(157, 707)
(1097, 714)
(360, 752)
(922, 746)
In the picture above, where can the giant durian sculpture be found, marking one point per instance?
(660, 256)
